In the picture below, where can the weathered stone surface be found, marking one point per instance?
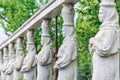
(10, 65)
(105, 45)
(29, 64)
(4, 66)
(19, 60)
(1, 62)
(67, 54)
(44, 58)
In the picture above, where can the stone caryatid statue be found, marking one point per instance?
(44, 58)
(105, 45)
(29, 63)
(10, 65)
(18, 59)
(67, 54)
(4, 66)
(1, 61)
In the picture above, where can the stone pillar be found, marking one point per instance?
(29, 64)
(44, 58)
(1, 62)
(105, 45)
(67, 53)
(10, 65)
(19, 59)
(4, 66)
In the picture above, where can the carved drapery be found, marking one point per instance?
(67, 63)
(44, 58)
(19, 59)
(10, 65)
(104, 46)
(5, 62)
(29, 64)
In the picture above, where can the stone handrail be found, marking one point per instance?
(50, 10)
(13, 64)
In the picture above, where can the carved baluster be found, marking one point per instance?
(44, 58)
(67, 54)
(104, 46)
(10, 65)
(4, 66)
(1, 63)
(19, 59)
(29, 64)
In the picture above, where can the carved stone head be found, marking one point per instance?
(108, 12)
(19, 47)
(11, 50)
(19, 43)
(1, 56)
(108, 3)
(46, 27)
(30, 35)
(5, 54)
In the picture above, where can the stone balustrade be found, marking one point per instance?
(13, 64)
(103, 47)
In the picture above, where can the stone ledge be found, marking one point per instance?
(50, 10)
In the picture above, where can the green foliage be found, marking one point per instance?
(86, 27)
(16, 12)
(21, 78)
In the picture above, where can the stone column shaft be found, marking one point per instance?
(29, 63)
(19, 59)
(67, 53)
(44, 58)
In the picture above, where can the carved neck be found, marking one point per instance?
(70, 39)
(47, 45)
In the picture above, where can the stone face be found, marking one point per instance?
(10, 65)
(19, 60)
(105, 45)
(29, 64)
(44, 58)
(67, 54)
(68, 14)
(46, 27)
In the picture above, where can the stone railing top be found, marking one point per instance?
(50, 10)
